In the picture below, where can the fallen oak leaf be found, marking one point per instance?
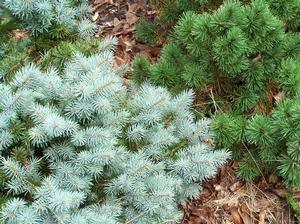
(131, 17)
(116, 21)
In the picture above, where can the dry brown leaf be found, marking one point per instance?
(246, 218)
(131, 18)
(218, 187)
(99, 3)
(235, 216)
(202, 215)
(261, 217)
(205, 195)
(116, 22)
(236, 186)
(208, 140)
(244, 208)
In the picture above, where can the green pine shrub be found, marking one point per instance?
(288, 11)
(65, 50)
(238, 51)
(267, 142)
(169, 12)
(150, 31)
(78, 145)
(237, 59)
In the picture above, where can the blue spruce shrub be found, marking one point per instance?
(57, 17)
(43, 25)
(84, 146)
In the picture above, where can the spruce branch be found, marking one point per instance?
(91, 140)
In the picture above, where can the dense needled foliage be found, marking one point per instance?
(29, 28)
(288, 11)
(237, 51)
(238, 58)
(268, 143)
(80, 146)
(55, 19)
(15, 53)
(170, 11)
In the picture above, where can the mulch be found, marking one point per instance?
(225, 199)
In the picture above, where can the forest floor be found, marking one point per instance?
(226, 199)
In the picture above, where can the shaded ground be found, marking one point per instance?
(225, 199)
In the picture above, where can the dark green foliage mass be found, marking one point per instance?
(239, 51)
(238, 58)
(7, 20)
(65, 50)
(267, 142)
(171, 10)
(288, 11)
